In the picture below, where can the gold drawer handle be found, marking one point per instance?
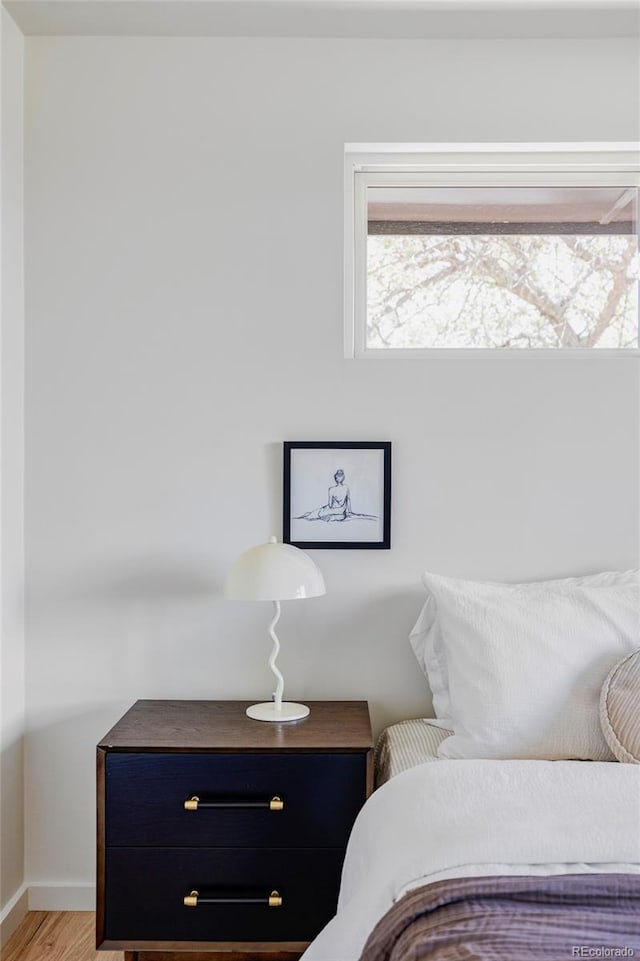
(193, 899)
(195, 804)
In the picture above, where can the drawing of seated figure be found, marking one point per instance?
(338, 506)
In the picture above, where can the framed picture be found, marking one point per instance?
(337, 494)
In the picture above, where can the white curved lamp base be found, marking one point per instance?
(290, 711)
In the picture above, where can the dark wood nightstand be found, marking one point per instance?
(220, 837)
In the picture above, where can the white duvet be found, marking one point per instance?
(477, 817)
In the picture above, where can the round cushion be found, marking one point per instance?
(620, 709)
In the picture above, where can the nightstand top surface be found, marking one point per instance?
(223, 726)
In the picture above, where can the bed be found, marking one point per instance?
(492, 835)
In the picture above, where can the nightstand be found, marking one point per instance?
(220, 837)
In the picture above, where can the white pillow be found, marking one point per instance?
(428, 646)
(520, 666)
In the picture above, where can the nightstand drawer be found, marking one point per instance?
(147, 890)
(146, 793)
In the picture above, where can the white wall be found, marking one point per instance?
(12, 687)
(184, 317)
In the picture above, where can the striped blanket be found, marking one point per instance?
(512, 919)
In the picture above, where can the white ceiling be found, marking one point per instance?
(464, 19)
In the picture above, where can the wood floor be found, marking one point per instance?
(56, 936)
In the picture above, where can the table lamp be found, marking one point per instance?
(274, 572)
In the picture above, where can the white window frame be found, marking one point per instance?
(460, 164)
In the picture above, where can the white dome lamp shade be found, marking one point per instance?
(274, 572)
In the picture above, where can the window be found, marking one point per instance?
(503, 250)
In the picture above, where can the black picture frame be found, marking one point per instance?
(366, 507)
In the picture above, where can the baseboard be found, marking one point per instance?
(13, 913)
(62, 897)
